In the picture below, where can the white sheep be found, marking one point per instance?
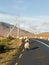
(26, 45)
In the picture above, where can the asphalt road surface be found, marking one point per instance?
(37, 55)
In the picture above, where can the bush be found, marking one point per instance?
(4, 43)
(2, 48)
(9, 38)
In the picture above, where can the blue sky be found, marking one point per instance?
(25, 7)
(33, 15)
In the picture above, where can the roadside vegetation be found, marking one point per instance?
(4, 43)
(8, 48)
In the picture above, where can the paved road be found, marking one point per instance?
(37, 55)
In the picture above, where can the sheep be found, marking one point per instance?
(26, 45)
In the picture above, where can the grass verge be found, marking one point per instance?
(10, 53)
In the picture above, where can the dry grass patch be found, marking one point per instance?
(7, 56)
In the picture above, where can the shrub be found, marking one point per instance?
(4, 43)
(9, 38)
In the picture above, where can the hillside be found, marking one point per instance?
(5, 29)
(42, 35)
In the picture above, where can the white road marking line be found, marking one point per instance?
(42, 43)
(16, 63)
(23, 50)
(20, 56)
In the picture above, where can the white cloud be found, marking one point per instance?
(32, 24)
(45, 22)
(35, 24)
(7, 18)
(28, 18)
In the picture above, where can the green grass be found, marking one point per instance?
(14, 45)
(4, 43)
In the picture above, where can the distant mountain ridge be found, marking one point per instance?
(5, 29)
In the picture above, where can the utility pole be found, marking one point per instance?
(11, 30)
(18, 30)
(18, 27)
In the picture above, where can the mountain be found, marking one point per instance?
(5, 28)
